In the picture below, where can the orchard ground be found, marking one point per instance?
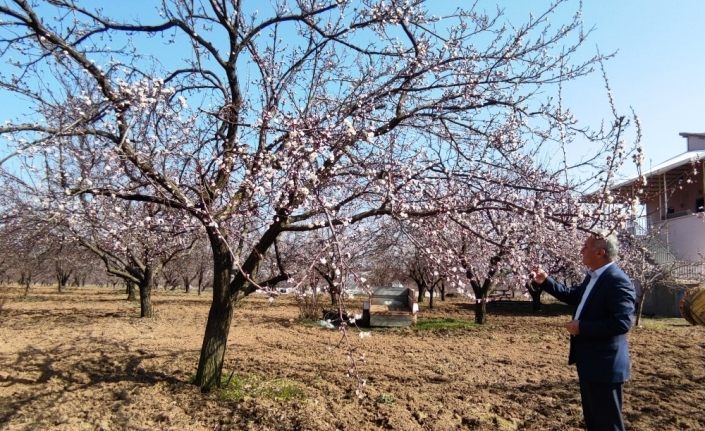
(84, 360)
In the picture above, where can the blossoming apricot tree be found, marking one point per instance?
(295, 117)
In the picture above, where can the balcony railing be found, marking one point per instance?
(663, 256)
(689, 272)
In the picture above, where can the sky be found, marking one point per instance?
(657, 71)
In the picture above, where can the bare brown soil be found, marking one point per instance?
(84, 360)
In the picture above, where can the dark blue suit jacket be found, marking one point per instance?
(600, 351)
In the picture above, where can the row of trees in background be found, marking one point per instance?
(33, 255)
(30, 255)
(306, 139)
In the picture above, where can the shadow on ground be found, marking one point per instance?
(50, 374)
(517, 308)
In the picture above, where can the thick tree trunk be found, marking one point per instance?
(145, 285)
(430, 299)
(481, 309)
(210, 363)
(422, 292)
(225, 293)
(187, 283)
(481, 293)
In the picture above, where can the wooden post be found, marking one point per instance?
(660, 201)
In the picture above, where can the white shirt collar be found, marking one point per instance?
(594, 275)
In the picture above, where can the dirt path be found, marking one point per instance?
(83, 360)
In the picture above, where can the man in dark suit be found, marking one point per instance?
(604, 306)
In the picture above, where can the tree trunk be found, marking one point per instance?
(225, 293)
(639, 307)
(535, 292)
(187, 283)
(145, 285)
(62, 279)
(443, 291)
(334, 292)
(210, 363)
(481, 309)
(201, 273)
(422, 292)
(131, 291)
(334, 298)
(481, 292)
(25, 280)
(536, 301)
(430, 300)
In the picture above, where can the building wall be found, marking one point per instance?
(695, 142)
(653, 212)
(683, 228)
(684, 198)
(685, 237)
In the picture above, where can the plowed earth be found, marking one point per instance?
(84, 360)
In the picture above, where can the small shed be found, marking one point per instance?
(392, 306)
(663, 301)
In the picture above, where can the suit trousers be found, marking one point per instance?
(602, 405)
